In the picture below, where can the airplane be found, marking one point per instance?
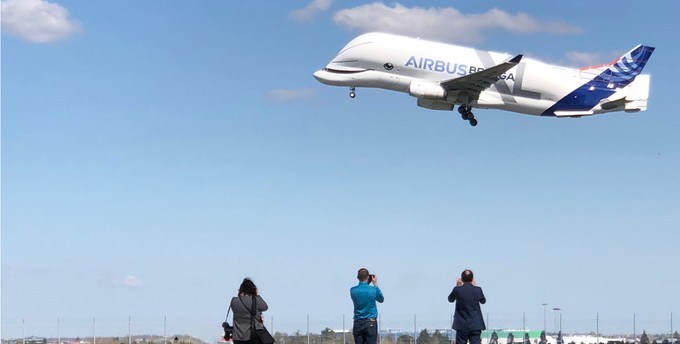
(441, 76)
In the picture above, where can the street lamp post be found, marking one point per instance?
(634, 330)
(544, 327)
(672, 337)
(555, 310)
(597, 327)
(560, 321)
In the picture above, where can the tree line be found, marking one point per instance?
(328, 336)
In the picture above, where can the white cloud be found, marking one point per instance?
(132, 282)
(586, 59)
(32, 271)
(311, 10)
(283, 94)
(443, 23)
(37, 21)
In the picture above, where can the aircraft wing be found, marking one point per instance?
(473, 84)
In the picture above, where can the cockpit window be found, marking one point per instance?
(388, 66)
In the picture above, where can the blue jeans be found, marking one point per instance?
(365, 331)
(474, 336)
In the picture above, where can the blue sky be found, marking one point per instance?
(155, 153)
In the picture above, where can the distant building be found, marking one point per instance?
(534, 337)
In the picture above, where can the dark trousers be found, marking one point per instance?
(474, 336)
(365, 331)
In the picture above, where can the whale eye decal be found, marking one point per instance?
(388, 66)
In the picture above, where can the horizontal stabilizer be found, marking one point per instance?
(632, 98)
(613, 104)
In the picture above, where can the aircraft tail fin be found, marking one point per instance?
(623, 70)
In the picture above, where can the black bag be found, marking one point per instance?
(262, 337)
(258, 336)
(228, 329)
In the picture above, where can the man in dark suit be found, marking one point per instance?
(468, 321)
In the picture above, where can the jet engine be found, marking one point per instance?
(426, 90)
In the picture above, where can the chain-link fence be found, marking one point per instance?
(321, 329)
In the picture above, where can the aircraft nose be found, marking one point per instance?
(320, 75)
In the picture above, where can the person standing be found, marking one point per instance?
(248, 298)
(468, 321)
(364, 297)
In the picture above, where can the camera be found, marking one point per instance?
(228, 331)
(370, 278)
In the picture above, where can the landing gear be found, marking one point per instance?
(466, 115)
(352, 94)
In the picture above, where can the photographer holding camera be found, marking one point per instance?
(364, 297)
(247, 306)
(468, 321)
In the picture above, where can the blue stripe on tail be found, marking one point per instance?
(624, 71)
(618, 75)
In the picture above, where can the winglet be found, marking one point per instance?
(516, 59)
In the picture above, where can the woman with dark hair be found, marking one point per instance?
(246, 305)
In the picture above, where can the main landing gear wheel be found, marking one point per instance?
(352, 94)
(467, 115)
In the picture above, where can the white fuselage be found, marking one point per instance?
(393, 62)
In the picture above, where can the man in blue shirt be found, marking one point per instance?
(364, 296)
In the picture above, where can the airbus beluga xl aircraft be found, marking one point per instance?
(442, 75)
